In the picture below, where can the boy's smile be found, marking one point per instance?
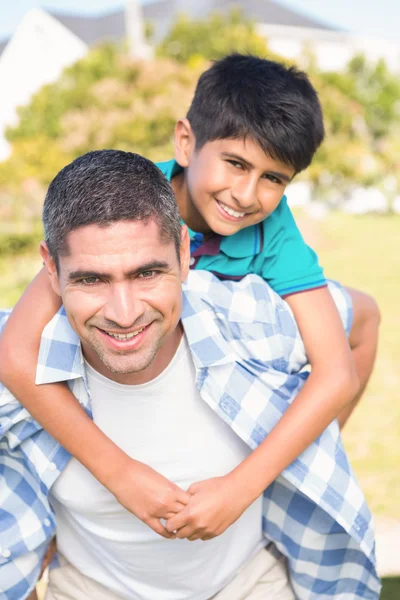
(229, 184)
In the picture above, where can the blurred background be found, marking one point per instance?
(114, 74)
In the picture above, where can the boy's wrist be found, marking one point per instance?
(247, 481)
(109, 469)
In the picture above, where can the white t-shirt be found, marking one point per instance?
(166, 425)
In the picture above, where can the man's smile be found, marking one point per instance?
(124, 341)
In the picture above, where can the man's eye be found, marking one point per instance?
(89, 280)
(147, 274)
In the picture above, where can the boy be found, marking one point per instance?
(253, 124)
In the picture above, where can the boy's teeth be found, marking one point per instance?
(231, 212)
(124, 336)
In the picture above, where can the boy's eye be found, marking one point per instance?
(235, 164)
(272, 178)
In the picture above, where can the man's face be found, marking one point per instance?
(232, 184)
(121, 289)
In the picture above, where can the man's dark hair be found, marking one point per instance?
(249, 97)
(104, 187)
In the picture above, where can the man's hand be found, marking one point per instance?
(214, 505)
(148, 495)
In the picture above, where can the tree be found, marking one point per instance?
(212, 38)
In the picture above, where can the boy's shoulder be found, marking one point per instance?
(169, 168)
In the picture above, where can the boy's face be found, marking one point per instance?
(232, 184)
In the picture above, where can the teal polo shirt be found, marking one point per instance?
(273, 249)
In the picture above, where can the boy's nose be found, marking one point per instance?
(244, 199)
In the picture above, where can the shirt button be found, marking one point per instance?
(52, 466)
(192, 261)
(47, 522)
(6, 553)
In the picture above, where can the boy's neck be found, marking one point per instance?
(188, 212)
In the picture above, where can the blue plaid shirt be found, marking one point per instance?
(248, 356)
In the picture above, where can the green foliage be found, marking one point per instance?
(212, 38)
(107, 100)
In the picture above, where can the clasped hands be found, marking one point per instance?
(203, 512)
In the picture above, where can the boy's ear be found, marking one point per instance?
(185, 142)
(185, 252)
(51, 268)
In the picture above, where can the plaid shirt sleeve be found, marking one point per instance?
(30, 460)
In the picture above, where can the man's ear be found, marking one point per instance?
(51, 268)
(185, 142)
(185, 252)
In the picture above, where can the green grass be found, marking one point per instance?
(364, 252)
(391, 588)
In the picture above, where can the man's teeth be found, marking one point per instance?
(124, 336)
(231, 212)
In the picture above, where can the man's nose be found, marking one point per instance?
(245, 193)
(123, 305)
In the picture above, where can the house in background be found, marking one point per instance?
(36, 54)
(46, 42)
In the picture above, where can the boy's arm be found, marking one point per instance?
(331, 386)
(138, 488)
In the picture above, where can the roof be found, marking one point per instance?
(161, 13)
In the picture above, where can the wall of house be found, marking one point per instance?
(332, 49)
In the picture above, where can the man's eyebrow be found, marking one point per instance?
(149, 266)
(84, 274)
(239, 158)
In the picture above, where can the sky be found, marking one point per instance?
(365, 17)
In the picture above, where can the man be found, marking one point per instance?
(188, 389)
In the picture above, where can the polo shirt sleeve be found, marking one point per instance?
(285, 261)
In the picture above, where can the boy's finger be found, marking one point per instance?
(186, 532)
(183, 497)
(169, 511)
(177, 521)
(161, 530)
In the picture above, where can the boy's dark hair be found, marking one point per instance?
(104, 187)
(246, 96)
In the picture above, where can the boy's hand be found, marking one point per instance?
(148, 495)
(214, 505)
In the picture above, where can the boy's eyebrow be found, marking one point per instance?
(149, 266)
(251, 166)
